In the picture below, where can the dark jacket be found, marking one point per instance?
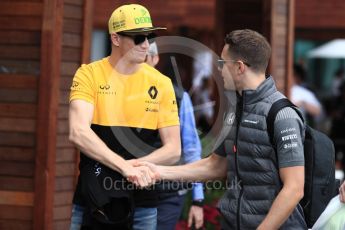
(253, 176)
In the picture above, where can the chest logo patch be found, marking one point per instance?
(153, 92)
(230, 119)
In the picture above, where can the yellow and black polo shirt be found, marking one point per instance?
(144, 99)
(128, 109)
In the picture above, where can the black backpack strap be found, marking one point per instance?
(179, 91)
(275, 108)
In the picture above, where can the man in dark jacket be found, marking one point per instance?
(267, 180)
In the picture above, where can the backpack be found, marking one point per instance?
(320, 184)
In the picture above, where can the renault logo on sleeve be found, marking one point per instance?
(75, 84)
(153, 92)
(230, 119)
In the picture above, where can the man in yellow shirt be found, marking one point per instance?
(118, 105)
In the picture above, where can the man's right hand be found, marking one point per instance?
(141, 176)
(153, 168)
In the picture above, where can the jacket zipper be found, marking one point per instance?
(235, 149)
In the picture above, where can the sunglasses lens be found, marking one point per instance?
(151, 37)
(140, 38)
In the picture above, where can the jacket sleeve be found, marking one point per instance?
(191, 146)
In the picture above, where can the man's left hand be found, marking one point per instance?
(196, 216)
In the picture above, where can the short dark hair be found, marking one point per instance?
(299, 72)
(250, 47)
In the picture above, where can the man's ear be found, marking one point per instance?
(115, 39)
(155, 60)
(241, 67)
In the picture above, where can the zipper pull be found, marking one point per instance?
(234, 149)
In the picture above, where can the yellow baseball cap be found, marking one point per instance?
(131, 18)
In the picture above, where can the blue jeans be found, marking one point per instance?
(144, 218)
(169, 212)
(77, 217)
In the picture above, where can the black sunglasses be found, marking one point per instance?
(221, 63)
(140, 38)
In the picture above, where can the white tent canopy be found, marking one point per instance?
(332, 49)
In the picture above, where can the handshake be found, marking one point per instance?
(141, 173)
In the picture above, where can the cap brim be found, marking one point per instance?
(144, 29)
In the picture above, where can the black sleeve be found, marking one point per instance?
(220, 150)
